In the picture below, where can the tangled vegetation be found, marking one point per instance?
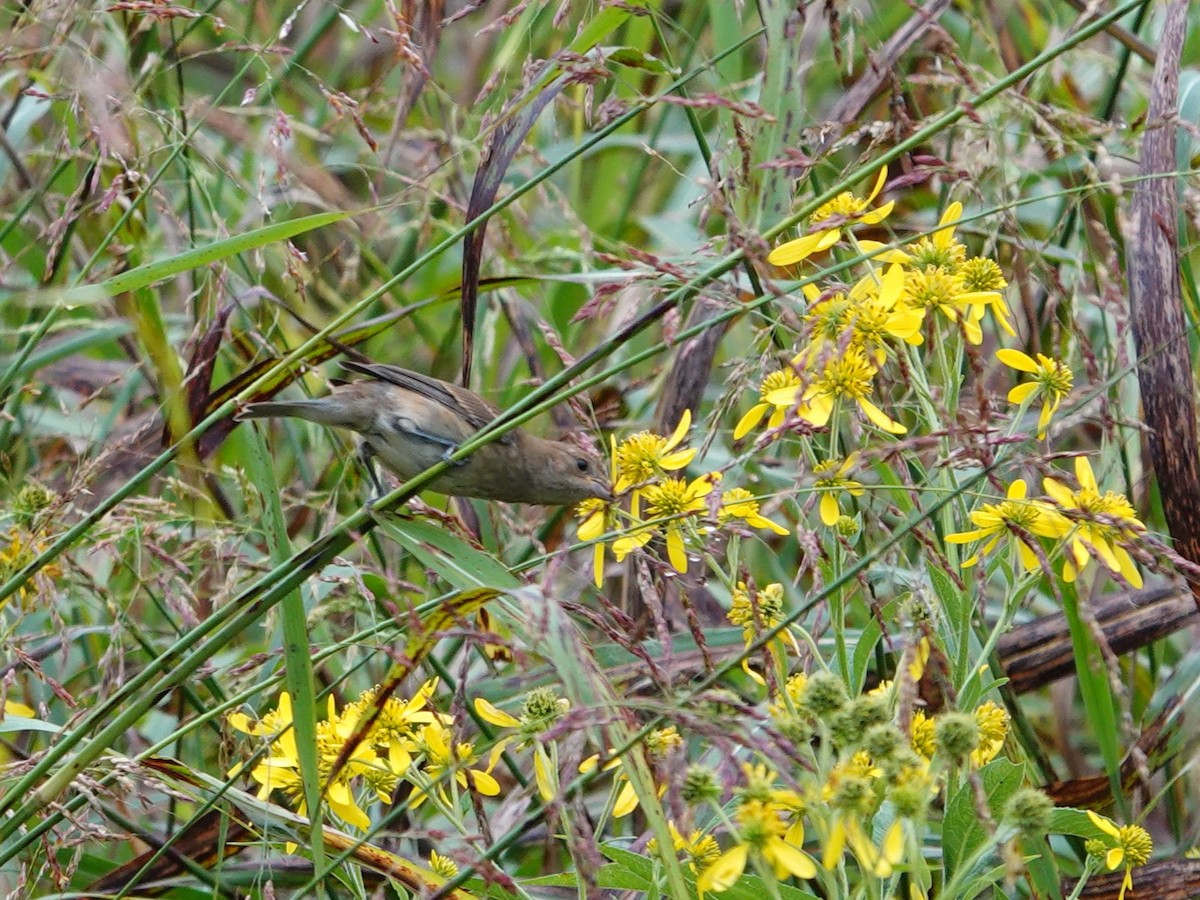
(861, 308)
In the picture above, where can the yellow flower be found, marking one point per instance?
(1096, 523)
(878, 861)
(845, 207)
(1051, 383)
(939, 289)
(993, 729)
(776, 381)
(1014, 517)
(598, 517)
(761, 832)
(627, 798)
(443, 756)
(866, 317)
(848, 206)
(831, 480)
(22, 549)
(762, 612)
(922, 734)
(757, 613)
(646, 455)
(280, 768)
(394, 733)
(676, 502)
(850, 791)
(850, 376)
(442, 865)
(940, 248)
(541, 709)
(1133, 847)
(983, 276)
(739, 503)
(701, 849)
(658, 743)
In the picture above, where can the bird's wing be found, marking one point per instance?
(473, 408)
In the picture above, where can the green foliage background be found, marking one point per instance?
(194, 198)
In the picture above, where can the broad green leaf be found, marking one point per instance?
(962, 833)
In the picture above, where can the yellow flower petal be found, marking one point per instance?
(789, 860)
(879, 418)
(543, 775)
(1105, 824)
(829, 509)
(880, 180)
(1015, 359)
(677, 460)
(878, 214)
(1083, 471)
(681, 430)
(724, 873)
(883, 253)
(496, 716)
(480, 781)
(675, 551)
(802, 248)
(747, 422)
(1022, 392)
(627, 801)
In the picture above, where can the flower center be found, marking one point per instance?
(671, 498)
(847, 376)
(927, 254)
(1054, 377)
(844, 204)
(982, 274)
(932, 288)
(638, 456)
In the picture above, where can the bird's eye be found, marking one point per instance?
(582, 465)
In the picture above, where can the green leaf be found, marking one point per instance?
(633, 58)
(13, 723)
(613, 877)
(461, 565)
(145, 275)
(962, 834)
(1065, 820)
(864, 647)
(1095, 689)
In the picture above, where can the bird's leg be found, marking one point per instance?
(366, 453)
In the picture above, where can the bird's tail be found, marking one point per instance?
(321, 411)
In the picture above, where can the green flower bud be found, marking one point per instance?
(850, 723)
(699, 785)
(1029, 810)
(31, 500)
(883, 742)
(956, 734)
(846, 526)
(825, 693)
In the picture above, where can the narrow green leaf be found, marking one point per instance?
(297, 653)
(461, 565)
(145, 275)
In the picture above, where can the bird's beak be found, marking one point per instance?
(603, 489)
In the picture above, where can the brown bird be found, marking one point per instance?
(412, 421)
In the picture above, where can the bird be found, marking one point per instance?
(411, 421)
